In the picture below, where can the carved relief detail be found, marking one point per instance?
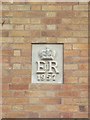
(47, 54)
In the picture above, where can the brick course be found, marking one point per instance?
(38, 22)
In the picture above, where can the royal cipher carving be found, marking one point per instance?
(47, 67)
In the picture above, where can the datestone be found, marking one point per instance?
(47, 63)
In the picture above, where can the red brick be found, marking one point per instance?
(51, 21)
(18, 87)
(67, 87)
(7, 52)
(81, 115)
(19, 80)
(6, 108)
(68, 94)
(17, 115)
(83, 66)
(6, 79)
(84, 53)
(5, 86)
(50, 101)
(18, 94)
(83, 87)
(49, 115)
(66, 115)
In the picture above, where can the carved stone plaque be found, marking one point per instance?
(47, 63)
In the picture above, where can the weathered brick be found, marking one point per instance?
(67, 40)
(50, 33)
(20, 72)
(18, 40)
(20, 7)
(66, 7)
(81, 115)
(7, 14)
(7, 52)
(82, 108)
(71, 66)
(80, 46)
(16, 66)
(7, 27)
(35, 20)
(5, 33)
(35, 33)
(17, 101)
(66, 115)
(71, 53)
(51, 27)
(80, 34)
(36, 7)
(70, 108)
(16, 52)
(84, 53)
(17, 114)
(34, 108)
(83, 66)
(49, 115)
(54, 20)
(68, 94)
(34, 27)
(20, 21)
(6, 79)
(68, 46)
(77, 73)
(67, 101)
(17, 108)
(20, 60)
(5, 7)
(19, 33)
(18, 27)
(19, 80)
(7, 93)
(51, 7)
(6, 108)
(71, 80)
(7, 40)
(51, 14)
(81, 7)
(5, 86)
(83, 80)
(50, 101)
(45, 87)
(18, 87)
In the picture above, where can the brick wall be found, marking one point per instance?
(39, 22)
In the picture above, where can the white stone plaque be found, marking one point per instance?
(47, 63)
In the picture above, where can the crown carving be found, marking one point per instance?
(47, 54)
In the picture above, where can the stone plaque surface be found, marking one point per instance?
(47, 63)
